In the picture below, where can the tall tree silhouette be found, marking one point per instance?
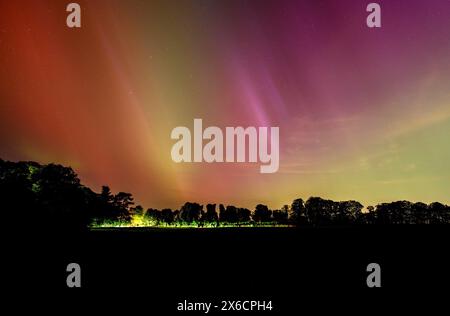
(319, 211)
(211, 215)
(167, 216)
(262, 213)
(190, 212)
(243, 215)
(298, 212)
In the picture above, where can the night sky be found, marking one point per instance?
(363, 113)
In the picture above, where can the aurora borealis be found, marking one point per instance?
(363, 113)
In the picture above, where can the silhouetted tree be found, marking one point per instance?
(262, 213)
(369, 217)
(348, 212)
(211, 215)
(397, 212)
(167, 216)
(45, 196)
(122, 202)
(243, 215)
(438, 213)
(137, 210)
(298, 212)
(231, 214)
(319, 211)
(222, 214)
(419, 214)
(190, 212)
(106, 195)
(280, 216)
(153, 215)
(176, 216)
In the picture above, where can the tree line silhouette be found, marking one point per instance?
(53, 195)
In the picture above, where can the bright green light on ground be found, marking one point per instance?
(142, 222)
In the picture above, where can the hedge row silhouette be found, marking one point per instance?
(52, 195)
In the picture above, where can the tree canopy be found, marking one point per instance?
(53, 194)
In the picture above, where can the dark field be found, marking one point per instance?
(163, 266)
